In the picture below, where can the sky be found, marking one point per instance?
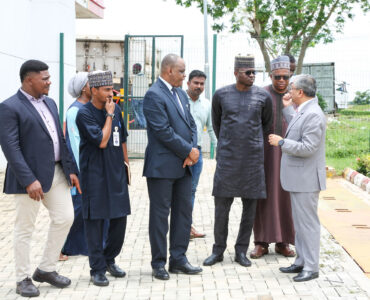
(350, 51)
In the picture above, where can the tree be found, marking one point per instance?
(282, 26)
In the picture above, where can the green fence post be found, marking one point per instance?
(182, 46)
(125, 81)
(61, 78)
(212, 148)
(153, 59)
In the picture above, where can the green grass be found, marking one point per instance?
(339, 164)
(365, 107)
(347, 137)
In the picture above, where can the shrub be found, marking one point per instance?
(363, 165)
(350, 112)
(362, 97)
(322, 102)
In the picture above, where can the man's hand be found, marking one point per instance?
(188, 162)
(274, 139)
(287, 99)
(110, 106)
(34, 190)
(75, 182)
(194, 155)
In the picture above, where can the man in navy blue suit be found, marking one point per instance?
(39, 168)
(172, 148)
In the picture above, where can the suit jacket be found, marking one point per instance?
(171, 134)
(28, 146)
(303, 152)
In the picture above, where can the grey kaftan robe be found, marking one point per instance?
(239, 121)
(273, 221)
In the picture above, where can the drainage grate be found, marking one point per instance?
(361, 226)
(343, 210)
(329, 198)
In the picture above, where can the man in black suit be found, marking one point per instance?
(39, 168)
(172, 148)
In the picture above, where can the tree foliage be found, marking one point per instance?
(362, 98)
(282, 26)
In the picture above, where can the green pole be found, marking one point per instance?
(61, 78)
(182, 46)
(153, 59)
(212, 150)
(125, 80)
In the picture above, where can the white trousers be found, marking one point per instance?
(58, 202)
(307, 230)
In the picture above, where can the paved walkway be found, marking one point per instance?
(340, 277)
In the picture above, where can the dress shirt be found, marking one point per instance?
(170, 87)
(299, 108)
(200, 109)
(48, 119)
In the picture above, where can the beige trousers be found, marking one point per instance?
(58, 202)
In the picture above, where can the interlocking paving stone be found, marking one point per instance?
(340, 277)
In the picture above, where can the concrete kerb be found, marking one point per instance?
(357, 178)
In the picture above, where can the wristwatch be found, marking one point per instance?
(110, 115)
(281, 142)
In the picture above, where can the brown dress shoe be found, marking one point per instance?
(284, 250)
(26, 288)
(259, 251)
(52, 278)
(195, 234)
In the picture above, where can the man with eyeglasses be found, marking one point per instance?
(273, 222)
(241, 113)
(302, 171)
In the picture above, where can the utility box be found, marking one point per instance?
(101, 54)
(324, 73)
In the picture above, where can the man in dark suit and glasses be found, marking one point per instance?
(172, 148)
(39, 168)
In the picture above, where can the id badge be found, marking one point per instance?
(116, 137)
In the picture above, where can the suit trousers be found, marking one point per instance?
(58, 202)
(307, 230)
(222, 210)
(169, 195)
(100, 257)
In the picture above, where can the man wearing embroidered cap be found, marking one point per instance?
(241, 113)
(103, 154)
(273, 222)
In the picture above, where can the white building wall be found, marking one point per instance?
(29, 29)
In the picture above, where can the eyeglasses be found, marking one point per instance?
(279, 77)
(290, 88)
(249, 72)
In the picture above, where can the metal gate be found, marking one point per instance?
(143, 55)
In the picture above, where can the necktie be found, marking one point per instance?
(177, 100)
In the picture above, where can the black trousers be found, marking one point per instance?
(169, 195)
(222, 210)
(99, 258)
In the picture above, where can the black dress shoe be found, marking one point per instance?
(99, 279)
(213, 259)
(186, 268)
(291, 269)
(242, 259)
(52, 278)
(305, 276)
(26, 288)
(161, 273)
(115, 270)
